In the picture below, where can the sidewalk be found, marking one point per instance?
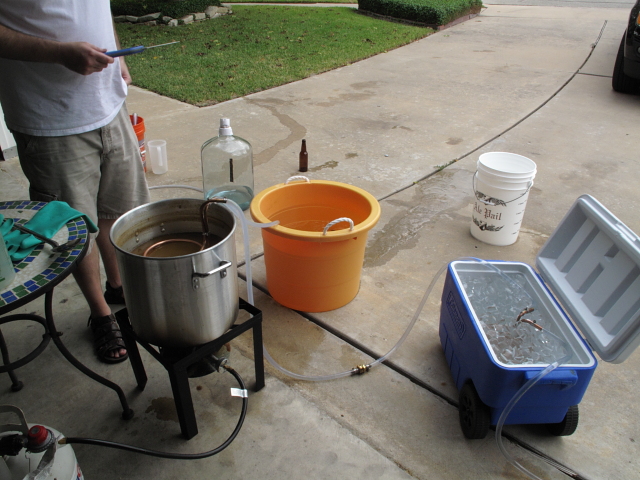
(516, 78)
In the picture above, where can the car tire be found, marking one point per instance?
(620, 82)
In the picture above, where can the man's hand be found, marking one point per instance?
(82, 57)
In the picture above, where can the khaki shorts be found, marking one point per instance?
(98, 173)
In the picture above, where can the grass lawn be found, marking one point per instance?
(292, 1)
(256, 48)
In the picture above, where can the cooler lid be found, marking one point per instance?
(592, 263)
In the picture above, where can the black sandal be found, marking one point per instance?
(107, 337)
(113, 296)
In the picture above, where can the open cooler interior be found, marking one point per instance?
(515, 287)
(591, 262)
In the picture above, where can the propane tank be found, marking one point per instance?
(32, 452)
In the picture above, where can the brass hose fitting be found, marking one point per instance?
(360, 369)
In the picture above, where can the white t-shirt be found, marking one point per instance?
(47, 99)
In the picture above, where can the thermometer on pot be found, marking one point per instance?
(134, 50)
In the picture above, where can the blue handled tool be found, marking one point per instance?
(134, 50)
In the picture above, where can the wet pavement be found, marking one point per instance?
(407, 126)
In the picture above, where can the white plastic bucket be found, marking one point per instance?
(501, 186)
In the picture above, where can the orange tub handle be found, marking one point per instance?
(297, 177)
(336, 221)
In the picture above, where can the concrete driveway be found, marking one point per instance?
(533, 80)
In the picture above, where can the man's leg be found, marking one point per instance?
(69, 169)
(87, 276)
(123, 186)
(108, 252)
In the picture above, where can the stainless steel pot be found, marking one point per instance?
(178, 301)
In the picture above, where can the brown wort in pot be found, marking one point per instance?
(181, 244)
(176, 245)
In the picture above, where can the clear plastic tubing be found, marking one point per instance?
(235, 208)
(516, 398)
(188, 187)
(425, 297)
(237, 211)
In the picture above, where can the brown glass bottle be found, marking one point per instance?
(304, 157)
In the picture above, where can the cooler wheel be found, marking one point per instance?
(566, 426)
(475, 416)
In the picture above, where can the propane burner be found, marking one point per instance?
(205, 366)
(188, 362)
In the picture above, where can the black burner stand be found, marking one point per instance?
(177, 368)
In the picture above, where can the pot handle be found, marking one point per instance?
(222, 269)
(335, 222)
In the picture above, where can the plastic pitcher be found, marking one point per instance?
(158, 156)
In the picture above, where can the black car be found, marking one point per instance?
(626, 72)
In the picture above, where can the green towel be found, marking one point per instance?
(47, 222)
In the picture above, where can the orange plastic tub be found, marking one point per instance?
(313, 265)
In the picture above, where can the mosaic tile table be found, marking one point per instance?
(37, 275)
(42, 270)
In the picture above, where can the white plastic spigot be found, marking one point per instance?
(225, 127)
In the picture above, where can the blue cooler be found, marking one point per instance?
(591, 263)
